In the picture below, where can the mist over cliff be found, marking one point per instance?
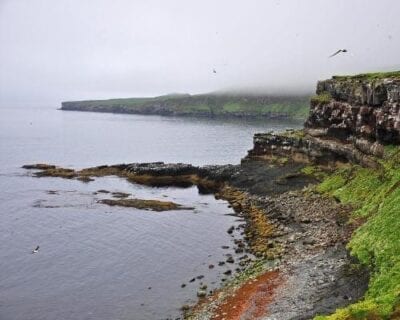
(74, 50)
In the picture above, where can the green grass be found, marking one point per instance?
(322, 98)
(212, 104)
(314, 171)
(232, 107)
(375, 195)
(370, 76)
(299, 110)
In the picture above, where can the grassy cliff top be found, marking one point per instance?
(214, 104)
(369, 76)
(186, 96)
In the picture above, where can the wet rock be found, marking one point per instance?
(201, 293)
(102, 191)
(230, 260)
(154, 205)
(38, 166)
(120, 195)
(85, 179)
(185, 307)
(203, 287)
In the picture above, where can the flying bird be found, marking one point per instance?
(214, 71)
(337, 52)
(36, 250)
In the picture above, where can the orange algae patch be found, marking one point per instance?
(251, 300)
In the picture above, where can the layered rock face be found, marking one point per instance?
(308, 149)
(350, 120)
(357, 109)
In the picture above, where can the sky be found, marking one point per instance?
(52, 51)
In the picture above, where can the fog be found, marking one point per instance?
(52, 51)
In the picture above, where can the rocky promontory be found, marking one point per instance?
(214, 105)
(351, 119)
(321, 208)
(350, 143)
(364, 107)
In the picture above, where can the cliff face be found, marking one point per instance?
(203, 105)
(357, 108)
(350, 120)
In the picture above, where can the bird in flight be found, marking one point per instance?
(337, 52)
(214, 71)
(36, 250)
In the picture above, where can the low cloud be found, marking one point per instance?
(60, 50)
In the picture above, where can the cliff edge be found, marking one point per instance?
(202, 105)
(350, 143)
(359, 107)
(351, 119)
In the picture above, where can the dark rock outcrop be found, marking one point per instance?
(350, 120)
(357, 109)
(316, 150)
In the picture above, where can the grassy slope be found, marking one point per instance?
(294, 107)
(375, 195)
(370, 76)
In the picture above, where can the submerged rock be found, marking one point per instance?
(154, 205)
(120, 195)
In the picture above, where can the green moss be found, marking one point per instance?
(314, 171)
(298, 134)
(322, 98)
(370, 76)
(299, 110)
(283, 160)
(375, 195)
(390, 150)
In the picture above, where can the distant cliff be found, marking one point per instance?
(205, 105)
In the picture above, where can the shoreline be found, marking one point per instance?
(222, 116)
(291, 231)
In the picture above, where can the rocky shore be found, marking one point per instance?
(301, 235)
(321, 209)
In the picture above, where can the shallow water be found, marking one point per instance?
(100, 262)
